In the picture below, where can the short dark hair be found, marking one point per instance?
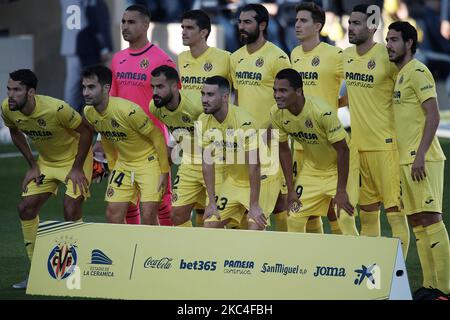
(200, 17)
(364, 8)
(220, 81)
(262, 15)
(103, 73)
(317, 13)
(26, 77)
(408, 32)
(169, 72)
(143, 10)
(289, 74)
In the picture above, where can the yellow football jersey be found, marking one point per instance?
(50, 127)
(316, 128)
(228, 142)
(370, 83)
(194, 71)
(253, 76)
(181, 124)
(414, 85)
(321, 71)
(125, 125)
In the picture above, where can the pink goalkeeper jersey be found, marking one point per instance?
(132, 74)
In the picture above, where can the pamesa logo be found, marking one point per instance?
(242, 267)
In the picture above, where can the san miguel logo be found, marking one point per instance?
(371, 64)
(309, 124)
(207, 66)
(144, 63)
(260, 62)
(62, 259)
(315, 61)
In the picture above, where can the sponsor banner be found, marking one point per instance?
(147, 262)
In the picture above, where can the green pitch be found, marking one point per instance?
(14, 263)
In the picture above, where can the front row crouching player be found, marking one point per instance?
(416, 114)
(229, 130)
(330, 168)
(63, 142)
(179, 113)
(134, 147)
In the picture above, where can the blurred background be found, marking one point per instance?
(47, 35)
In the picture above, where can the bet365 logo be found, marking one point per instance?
(371, 275)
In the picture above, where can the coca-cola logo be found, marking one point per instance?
(163, 263)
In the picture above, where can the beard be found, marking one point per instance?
(400, 57)
(249, 38)
(162, 101)
(19, 105)
(357, 41)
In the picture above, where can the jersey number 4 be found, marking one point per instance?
(118, 179)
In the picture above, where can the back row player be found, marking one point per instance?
(320, 66)
(195, 65)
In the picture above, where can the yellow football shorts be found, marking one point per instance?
(425, 195)
(233, 200)
(380, 178)
(125, 184)
(53, 176)
(316, 191)
(189, 186)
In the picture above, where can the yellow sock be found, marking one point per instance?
(187, 224)
(29, 230)
(440, 249)
(198, 220)
(334, 224)
(79, 220)
(280, 221)
(297, 224)
(314, 225)
(425, 257)
(370, 223)
(347, 224)
(400, 229)
(244, 223)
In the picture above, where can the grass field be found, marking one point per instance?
(14, 263)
